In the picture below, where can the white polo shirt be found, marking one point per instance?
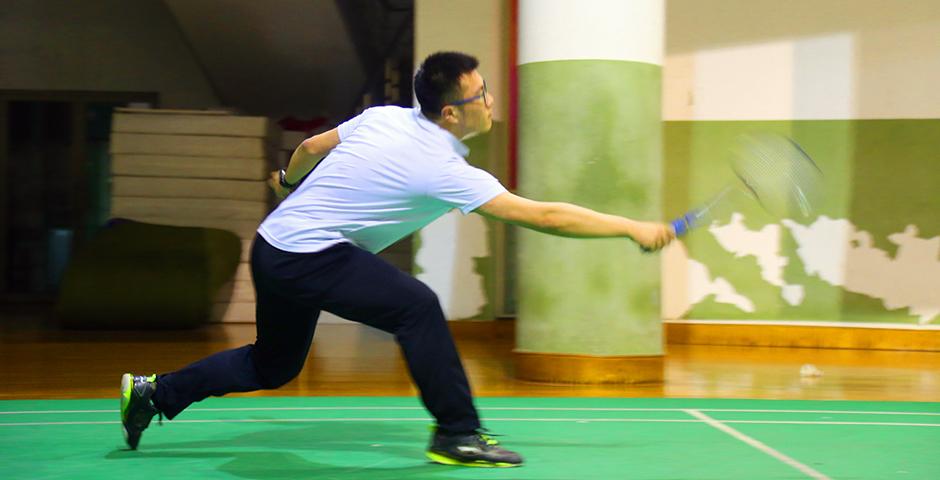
(393, 172)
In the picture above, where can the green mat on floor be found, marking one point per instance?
(378, 438)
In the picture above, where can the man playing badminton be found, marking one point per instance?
(386, 173)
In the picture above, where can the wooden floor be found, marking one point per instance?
(348, 359)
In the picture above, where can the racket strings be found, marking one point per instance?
(779, 174)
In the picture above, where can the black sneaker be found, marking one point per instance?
(136, 408)
(470, 450)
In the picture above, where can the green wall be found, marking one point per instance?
(880, 175)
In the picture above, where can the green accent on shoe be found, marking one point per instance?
(445, 460)
(127, 385)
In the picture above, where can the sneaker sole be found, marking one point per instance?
(445, 460)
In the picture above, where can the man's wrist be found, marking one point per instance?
(282, 180)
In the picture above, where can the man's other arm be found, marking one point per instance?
(305, 157)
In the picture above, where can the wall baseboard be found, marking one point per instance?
(796, 334)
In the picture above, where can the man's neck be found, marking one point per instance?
(450, 127)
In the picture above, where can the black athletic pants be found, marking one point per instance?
(347, 281)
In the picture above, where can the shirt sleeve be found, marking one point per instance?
(463, 186)
(346, 128)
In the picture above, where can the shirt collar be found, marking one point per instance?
(432, 127)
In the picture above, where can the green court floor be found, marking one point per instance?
(378, 438)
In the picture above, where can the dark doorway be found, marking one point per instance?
(54, 183)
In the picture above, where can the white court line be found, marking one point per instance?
(798, 422)
(234, 409)
(366, 419)
(497, 419)
(838, 412)
(534, 409)
(809, 471)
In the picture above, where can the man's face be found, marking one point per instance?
(475, 116)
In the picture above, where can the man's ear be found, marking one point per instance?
(449, 114)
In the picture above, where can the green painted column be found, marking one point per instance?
(590, 134)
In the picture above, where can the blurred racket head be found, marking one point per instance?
(776, 171)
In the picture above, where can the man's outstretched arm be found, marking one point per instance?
(567, 220)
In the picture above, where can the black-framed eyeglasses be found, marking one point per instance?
(471, 99)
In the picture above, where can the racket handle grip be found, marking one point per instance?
(683, 224)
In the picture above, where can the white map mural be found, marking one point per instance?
(833, 250)
(449, 246)
(764, 246)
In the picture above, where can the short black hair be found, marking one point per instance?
(438, 80)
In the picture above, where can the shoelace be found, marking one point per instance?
(483, 434)
(487, 436)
